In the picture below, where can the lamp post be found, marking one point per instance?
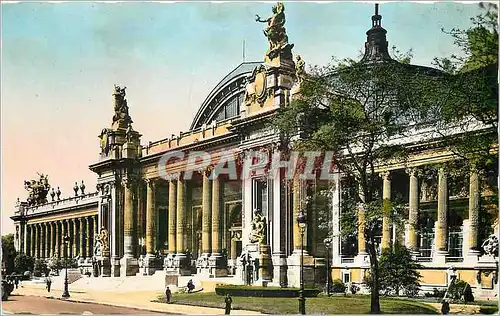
(301, 220)
(328, 243)
(65, 294)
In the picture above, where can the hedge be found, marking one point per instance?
(263, 291)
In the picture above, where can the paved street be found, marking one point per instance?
(42, 305)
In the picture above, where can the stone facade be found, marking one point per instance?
(197, 223)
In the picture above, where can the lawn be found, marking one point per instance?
(357, 304)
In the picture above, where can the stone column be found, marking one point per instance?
(181, 262)
(299, 194)
(57, 239)
(87, 226)
(75, 238)
(442, 223)
(217, 265)
(474, 207)
(414, 204)
(47, 240)
(386, 205)
(206, 237)
(362, 257)
(44, 240)
(180, 216)
(128, 218)
(64, 232)
(172, 208)
(149, 261)
(336, 229)
(32, 240)
(82, 238)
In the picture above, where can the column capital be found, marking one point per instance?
(150, 182)
(129, 182)
(442, 171)
(386, 175)
(413, 171)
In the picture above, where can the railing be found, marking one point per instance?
(347, 260)
(74, 200)
(454, 259)
(424, 259)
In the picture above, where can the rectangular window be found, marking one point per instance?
(455, 242)
(426, 241)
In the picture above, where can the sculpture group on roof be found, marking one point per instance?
(121, 107)
(275, 30)
(38, 190)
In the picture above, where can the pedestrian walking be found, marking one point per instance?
(168, 294)
(49, 283)
(228, 301)
(16, 281)
(445, 307)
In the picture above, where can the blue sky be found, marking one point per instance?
(60, 61)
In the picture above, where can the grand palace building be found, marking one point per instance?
(151, 214)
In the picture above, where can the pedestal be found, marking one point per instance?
(115, 267)
(181, 265)
(105, 265)
(129, 266)
(202, 265)
(440, 257)
(279, 270)
(217, 265)
(148, 265)
(293, 271)
(265, 268)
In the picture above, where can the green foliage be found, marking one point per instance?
(338, 286)
(471, 89)
(398, 272)
(263, 291)
(40, 268)
(23, 263)
(8, 252)
(461, 291)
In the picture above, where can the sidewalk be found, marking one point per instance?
(130, 299)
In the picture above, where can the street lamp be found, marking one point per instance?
(301, 221)
(328, 243)
(65, 294)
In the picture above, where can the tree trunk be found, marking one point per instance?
(374, 294)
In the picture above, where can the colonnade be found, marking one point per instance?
(441, 225)
(46, 239)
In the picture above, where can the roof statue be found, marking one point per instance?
(121, 107)
(38, 190)
(300, 68)
(275, 30)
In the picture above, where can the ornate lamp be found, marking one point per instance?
(66, 240)
(301, 221)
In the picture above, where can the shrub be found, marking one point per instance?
(23, 263)
(40, 268)
(262, 291)
(461, 290)
(354, 289)
(338, 286)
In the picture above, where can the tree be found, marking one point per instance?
(353, 109)
(23, 263)
(398, 272)
(468, 97)
(8, 252)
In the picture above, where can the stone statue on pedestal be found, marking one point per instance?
(300, 68)
(258, 233)
(121, 107)
(275, 30)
